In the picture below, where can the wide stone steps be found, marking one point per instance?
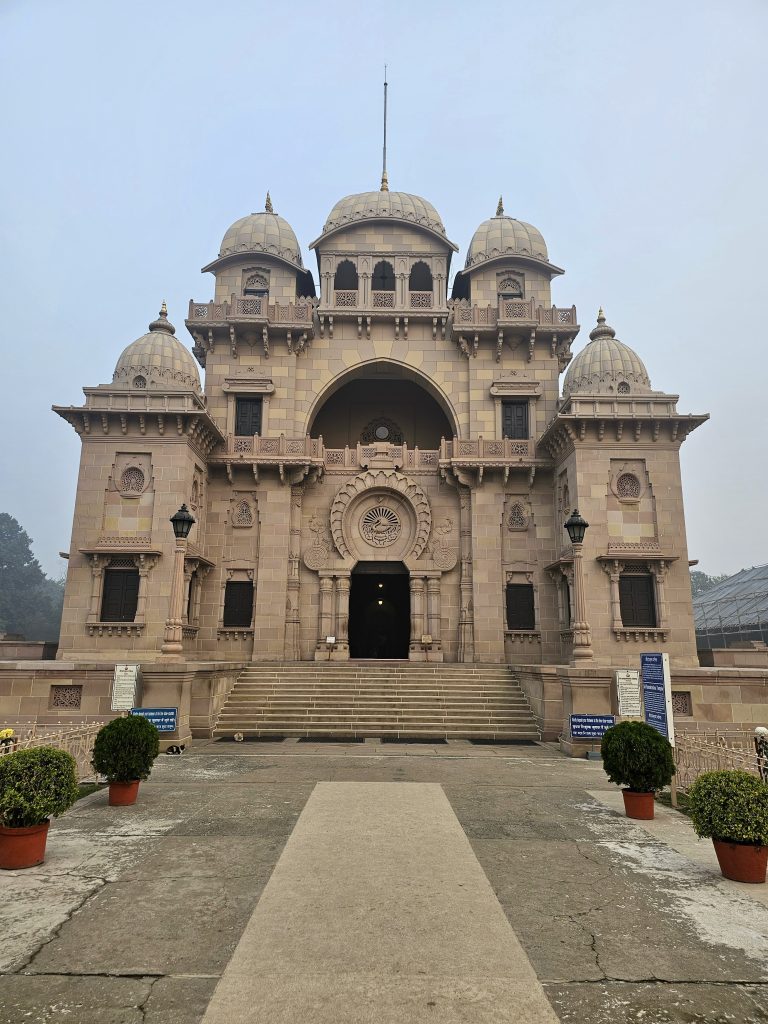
(389, 700)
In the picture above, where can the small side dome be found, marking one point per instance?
(157, 361)
(264, 232)
(606, 366)
(502, 236)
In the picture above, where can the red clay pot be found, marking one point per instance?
(741, 862)
(638, 805)
(22, 847)
(121, 794)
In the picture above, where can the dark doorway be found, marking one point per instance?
(379, 611)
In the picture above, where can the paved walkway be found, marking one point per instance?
(371, 882)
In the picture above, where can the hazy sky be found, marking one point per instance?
(633, 135)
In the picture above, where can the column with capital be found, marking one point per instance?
(342, 615)
(416, 651)
(433, 616)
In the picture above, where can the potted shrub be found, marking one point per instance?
(731, 808)
(124, 751)
(639, 758)
(35, 784)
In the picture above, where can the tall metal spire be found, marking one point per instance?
(384, 179)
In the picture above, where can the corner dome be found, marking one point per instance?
(265, 233)
(502, 237)
(157, 361)
(606, 366)
(384, 205)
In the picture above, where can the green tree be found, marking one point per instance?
(701, 583)
(30, 602)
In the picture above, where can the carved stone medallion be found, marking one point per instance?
(380, 526)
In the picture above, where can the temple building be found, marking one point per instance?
(379, 467)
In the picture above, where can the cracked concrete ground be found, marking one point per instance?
(137, 911)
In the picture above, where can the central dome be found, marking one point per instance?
(384, 205)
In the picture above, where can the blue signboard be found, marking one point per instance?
(164, 719)
(655, 700)
(590, 727)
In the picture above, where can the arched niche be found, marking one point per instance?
(398, 395)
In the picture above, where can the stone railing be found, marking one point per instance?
(400, 455)
(253, 307)
(345, 299)
(466, 314)
(383, 300)
(286, 448)
(695, 753)
(421, 300)
(503, 449)
(77, 740)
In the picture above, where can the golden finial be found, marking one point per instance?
(600, 316)
(500, 207)
(163, 309)
(268, 204)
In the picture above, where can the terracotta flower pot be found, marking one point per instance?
(123, 793)
(741, 862)
(22, 847)
(638, 805)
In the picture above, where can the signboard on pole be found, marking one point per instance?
(164, 719)
(628, 693)
(125, 687)
(590, 727)
(657, 693)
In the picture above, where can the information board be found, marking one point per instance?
(590, 727)
(657, 693)
(628, 693)
(164, 719)
(124, 687)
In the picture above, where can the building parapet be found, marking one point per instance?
(247, 318)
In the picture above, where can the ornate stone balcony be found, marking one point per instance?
(400, 306)
(514, 318)
(249, 318)
(467, 459)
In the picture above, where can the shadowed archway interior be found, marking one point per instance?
(379, 611)
(404, 409)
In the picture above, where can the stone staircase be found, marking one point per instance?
(393, 700)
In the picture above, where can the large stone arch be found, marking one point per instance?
(366, 370)
(382, 480)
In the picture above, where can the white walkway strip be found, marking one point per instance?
(378, 911)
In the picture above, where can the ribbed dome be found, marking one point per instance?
(157, 361)
(384, 205)
(504, 236)
(606, 366)
(264, 232)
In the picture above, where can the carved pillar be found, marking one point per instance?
(342, 613)
(326, 611)
(660, 572)
(614, 572)
(292, 622)
(144, 564)
(172, 646)
(466, 610)
(364, 290)
(417, 614)
(97, 573)
(433, 611)
(189, 572)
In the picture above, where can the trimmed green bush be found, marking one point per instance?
(731, 805)
(125, 749)
(635, 755)
(36, 784)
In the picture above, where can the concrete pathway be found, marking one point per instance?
(277, 882)
(378, 911)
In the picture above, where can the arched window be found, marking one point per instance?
(256, 284)
(345, 278)
(510, 288)
(383, 277)
(420, 279)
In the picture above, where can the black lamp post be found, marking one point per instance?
(182, 522)
(576, 525)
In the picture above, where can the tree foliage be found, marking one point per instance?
(701, 582)
(30, 602)
(126, 748)
(35, 784)
(635, 755)
(730, 805)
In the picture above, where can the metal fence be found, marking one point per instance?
(695, 753)
(77, 740)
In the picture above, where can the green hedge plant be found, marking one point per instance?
(730, 805)
(36, 784)
(637, 756)
(125, 749)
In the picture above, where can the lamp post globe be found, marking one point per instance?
(577, 526)
(182, 522)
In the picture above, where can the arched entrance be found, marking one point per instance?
(379, 611)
